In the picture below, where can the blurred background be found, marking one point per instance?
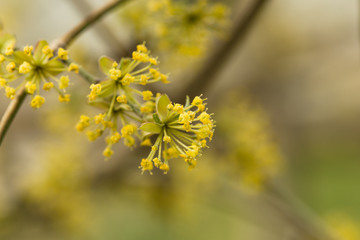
(282, 79)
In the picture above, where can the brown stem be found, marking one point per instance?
(207, 74)
(11, 112)
(64, 42)
(67, 39)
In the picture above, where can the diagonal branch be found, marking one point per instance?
(216, 62)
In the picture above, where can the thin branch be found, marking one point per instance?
(67, 39)
(102, 30)
(11, 112)
(207, 74)
(64, 42)
(296, 212)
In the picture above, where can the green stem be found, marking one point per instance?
(64, 42)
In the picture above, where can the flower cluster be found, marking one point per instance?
(181, 131)
(166, 20)
(37, 67)
(251, 148)
(130, 113)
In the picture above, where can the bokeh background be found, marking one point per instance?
(285, 159)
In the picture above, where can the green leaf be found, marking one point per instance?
(156, 118)
(151, 127)
(124, 63)
(20, 57)
(187, 102)
(106, 64)
(38, 54)
(161, 107)
(54, 67)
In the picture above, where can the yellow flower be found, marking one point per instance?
(11, 67)
(73, 67)
(64, 82)
(63, 54)
(64, 98)
(37, 101)
(30, 87)
(115, 73)
(146, 165)
(83, 123)
(47, 51)
(48, 85)
(128, 130)
(121, 99)
(28, 50)
(24, 68)
(147, 95)
(127, 79)
(108, 152)
(10, 92)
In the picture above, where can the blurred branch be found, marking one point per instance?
(67, 39)
(220, 57)
(102, 29)
(295, 212)
(64, 42)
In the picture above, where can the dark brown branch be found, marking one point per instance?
(216, 62)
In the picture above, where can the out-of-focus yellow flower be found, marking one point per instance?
(250, 145)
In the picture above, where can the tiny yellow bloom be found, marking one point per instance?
(164, 78)
(63, 54)
(115, 64)
(153, 61)
(48, 85)
(24, 68)
(164, 167)
(37, 101)
(64, 98)
(11, 67)
(146, 142)
(146, 165)
(30, 87)
(2, 58)
(108, 152)
(157, 162)
(141, 48)
(154, 72)
(197, 101)
(9, 50)
(114, 73)
(47, 51)
(3, 82)
(121, 99)
(141, 57)
(99, 118)
(10, 92)
(127, 79)
(143, 79)
(147, 95)
(83, 123)
(128, 130)
(28, 50)
(115, 137)
(73, 67)
(64, 82)
(92, 136)
(178, 108)
(167, 139)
